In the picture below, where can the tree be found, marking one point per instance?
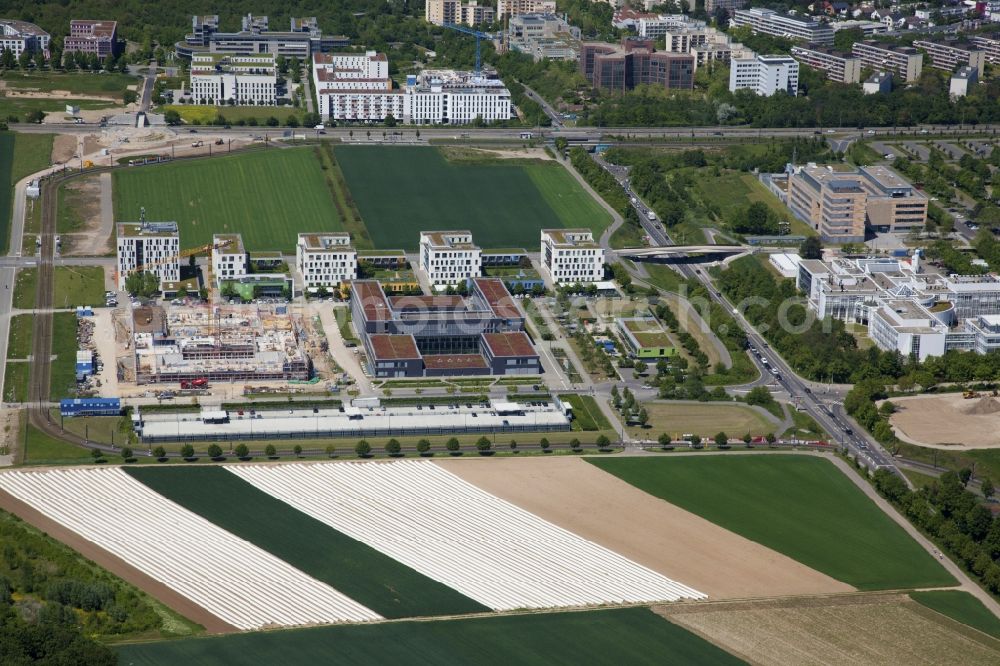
(513, 445)
(665, 440)
(187, 451)
(392, 447)
(390, 121)
(270, 451)
(574, 444)
(760, 395)
(638, 368)
(242, 451)
(986, 487)
(160, 453)
(363, 449)
(722, 440)
(129, 97)
(214, 451)
(453, 446)
(965, 475)
(272, 121)
(297, 450)
(747, 439)
(291, 121)
(423, 446)
(603, 443)
(34, 116)
(484, 445)
(811, 248)
(771, 439)
(642, 417)
(142, 283)
(7, 59)
(24, 60)
(127, 454)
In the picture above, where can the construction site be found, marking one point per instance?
(193, 345)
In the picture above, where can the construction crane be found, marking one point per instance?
(202, 249)
(475, 33)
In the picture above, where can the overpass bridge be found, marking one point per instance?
(682, 251)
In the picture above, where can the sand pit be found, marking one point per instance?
(682, 546)
(948, 421)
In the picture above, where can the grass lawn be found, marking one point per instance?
(20, 156)
(801, 506)
(403, 190)
(627, 235)
(62, 383)
(624, 636)
(44, 450)
(917, 478)
(369, 577)
(961, 607)
(985, 461)
(78, 285)
(196, 114)
(76, 83)
(269, 196)
(734, 190)
(19, 342)
(15, 382)
(19, 107)
(586, 412)
(25, 285)
(702, 419)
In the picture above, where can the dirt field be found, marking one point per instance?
(63, 147)
(682, 546)
(117, 566)
(861, 629)
(948, 421)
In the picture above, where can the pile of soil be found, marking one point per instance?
(985, 405)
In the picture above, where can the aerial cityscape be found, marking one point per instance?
(500, 332)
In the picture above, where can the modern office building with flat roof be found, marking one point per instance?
(152, 247)
(449, 257)
(634, 62)
(20, 36)
(570, 256)
(97, 37)
(326, 259)
(248, 80)
(301, 40)
(770, 22)
(765, 75)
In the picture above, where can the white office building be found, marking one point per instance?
(20, 36)
(764, 74)
(152, 247)
(229, 257)
(449, 257)
(769, 22)
(219, 79)
(571, 256)
(326, 259)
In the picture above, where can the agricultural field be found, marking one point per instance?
(804, 507)
(625, 636)
(862, 629)
(961, 607)
(705, 420)
(403, 190)
(269, 196)
(359, 571)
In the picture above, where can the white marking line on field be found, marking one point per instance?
(231, 578)
(451, 531)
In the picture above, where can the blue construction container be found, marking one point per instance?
(90, 406)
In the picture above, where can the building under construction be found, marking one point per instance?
(231, 343)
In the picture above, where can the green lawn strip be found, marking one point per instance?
(43, 449)
(269, 196)
(574, 206)
(961, 607)
(801, 506)
(986, 462)
(76, 83)
(32, 153)
(359, 571)
(586, 411)
(204, 115)
(627, 235)
(401, 191)
(15, 382)
(624, 636)
(20, 156)
(78, 285)
(918, 478)
(25, 286)
(19, 107)
(62, 382)
(346, 209)
(19, 342)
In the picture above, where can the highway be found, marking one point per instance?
(830, 416)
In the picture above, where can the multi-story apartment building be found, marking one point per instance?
(635, 62)
(441, 12)
(449, 257)
(218, 78)
(326, 260)
(229, 257)
(571, 256)
(765, 75)
(654, 27)
(97, 37)
(19, 36)
(355, 86)
(518, 7)
(990, 45)
(840, 204)
(840, 67)
(949, 56)
(302, 40)
(769, 22)
(452, 97)
(729, 5)
(905, 61)
(152, 247)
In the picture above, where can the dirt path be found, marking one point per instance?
(117, 566)
(578, 496)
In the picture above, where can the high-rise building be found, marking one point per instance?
(764, 74)
(518, 7)
(442, 12)
(152, 247)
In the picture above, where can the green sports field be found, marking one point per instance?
(269, 196)
(801, 506)
(626, 636)
(371, 578)
(401, 191)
